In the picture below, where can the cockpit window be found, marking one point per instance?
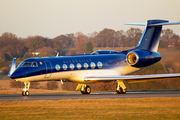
(27, 64)
(20, 64)
(34, 64)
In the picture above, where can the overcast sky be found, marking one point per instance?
(50, 18)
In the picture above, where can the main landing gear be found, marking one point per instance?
(84, 89)
(121, 88)
(26, 88)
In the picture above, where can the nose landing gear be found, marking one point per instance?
(25, 91)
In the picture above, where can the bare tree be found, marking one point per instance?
(80, 42)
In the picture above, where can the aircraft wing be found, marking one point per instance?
(135, 78)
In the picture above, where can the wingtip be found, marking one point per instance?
(138, 24)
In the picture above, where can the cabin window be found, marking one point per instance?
(57, 67)
(85, 65)
(79, 66)
(93, 65)
(71, 66)
(99, 64)
(64, 66)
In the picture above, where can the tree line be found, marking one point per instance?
(21, 48)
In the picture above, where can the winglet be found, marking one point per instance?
(139, 24)
(13, 67)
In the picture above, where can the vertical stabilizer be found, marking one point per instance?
(150, 37)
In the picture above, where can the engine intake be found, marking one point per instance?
(142, 58)
(132, 58)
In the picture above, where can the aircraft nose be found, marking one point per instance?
(16, 74)
(13, 76)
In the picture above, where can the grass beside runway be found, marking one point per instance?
(128, 108)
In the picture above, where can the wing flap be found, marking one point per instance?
(135, 78)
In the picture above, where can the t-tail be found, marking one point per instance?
(145, 53)
(150, 37)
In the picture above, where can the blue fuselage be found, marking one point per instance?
(51, 65)
(74, 68)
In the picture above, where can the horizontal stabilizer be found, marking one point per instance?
(169, 23)
(156, 24)
(135, 78)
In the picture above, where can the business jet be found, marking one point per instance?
(99, 66)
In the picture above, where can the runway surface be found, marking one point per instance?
(94, 95)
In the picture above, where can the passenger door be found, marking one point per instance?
(48, 69)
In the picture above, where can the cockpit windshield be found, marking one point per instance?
(28, 64)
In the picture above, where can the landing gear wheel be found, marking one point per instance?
(88, 90)
(120, 91)
(124, 92)
(27, 93)
(23, 93)
(82, 92)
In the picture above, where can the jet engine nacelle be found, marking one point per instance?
(142, 58)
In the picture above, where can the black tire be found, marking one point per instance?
(23, 93)
(82, 92)
(27, 93)
(120, 91)
(125, 91)
(88, 90)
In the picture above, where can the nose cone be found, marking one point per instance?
(16, 74)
